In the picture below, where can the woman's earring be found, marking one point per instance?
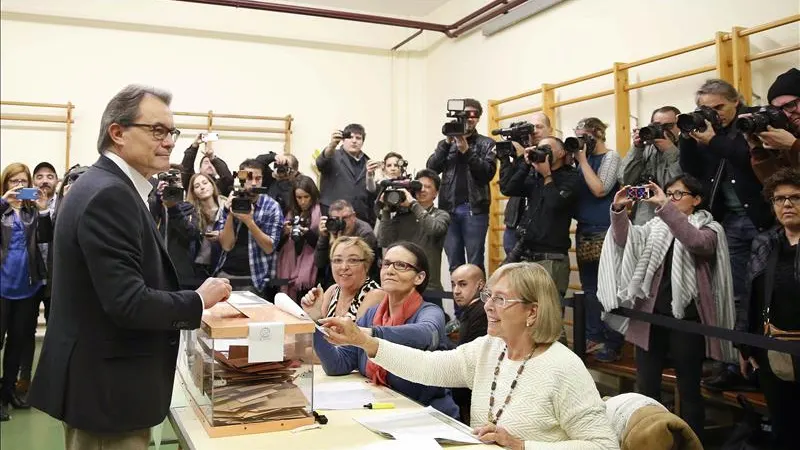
(528, 324)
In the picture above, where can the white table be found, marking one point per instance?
(340, 433)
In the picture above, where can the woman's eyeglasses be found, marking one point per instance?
(780, 200)
(349, 262)
(400, 266)
(677, 195)
(499, 301)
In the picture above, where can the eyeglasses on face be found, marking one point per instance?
(16, 182)
(791, 106)
(677, 195)
(160, 132)
(400, 266)
(349, 262)
(499, 301)
(780, 200)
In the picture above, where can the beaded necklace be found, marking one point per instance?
(492, 418)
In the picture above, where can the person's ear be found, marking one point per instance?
(697, 200)
(116, 132)
(533, 314)
(419, 278)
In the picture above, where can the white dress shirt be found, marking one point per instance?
(142, 185)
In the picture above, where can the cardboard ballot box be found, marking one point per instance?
(248, 369)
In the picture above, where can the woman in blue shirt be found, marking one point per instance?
(25, 224)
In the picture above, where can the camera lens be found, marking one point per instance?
(573, 144)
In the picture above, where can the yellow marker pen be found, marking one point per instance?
(379, 406)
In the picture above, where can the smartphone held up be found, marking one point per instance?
(209, 137)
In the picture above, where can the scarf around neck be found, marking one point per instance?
(411, 305)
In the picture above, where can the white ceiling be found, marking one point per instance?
(407, 8)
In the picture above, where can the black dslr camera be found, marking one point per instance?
(519, 132)
(540, 154)
(335, 224)
(456, 109)
(173, 192)
(759, 120)
(696, 120)
(393, 196)
(347, 134)
(298, 223)
(574, 144)
(242, 201)
(650, 133)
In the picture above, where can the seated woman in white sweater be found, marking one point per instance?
(528, 390)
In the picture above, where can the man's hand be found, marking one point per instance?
(543, 167)
(214, 290)
(372, 166)
(637, 141)
(777, 138)
(160, 187)
(41, 201)
(461, 143)
(704, 137)
(409, 198)
(209, 150)
(664, 145)
(336, 139)
(519, 148)
(323, 230)
(245, 218)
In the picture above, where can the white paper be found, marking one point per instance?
(265, 342)
(425, 423)
(346, 395)
(405, 443)
(287, 305)
(245, 298)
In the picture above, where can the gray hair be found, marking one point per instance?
(124, 109)
(715, 86)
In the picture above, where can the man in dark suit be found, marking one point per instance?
(108, 360)
(343, 173)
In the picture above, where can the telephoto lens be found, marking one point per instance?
(651, 132)
(761, 119)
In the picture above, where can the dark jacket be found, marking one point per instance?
(38, 230)
(180, 230)
(550, 206)
(480, 158)
(750, 311)
(108, 359)
(726, 156)
(339, 182)
(515, 206)
(225, 180)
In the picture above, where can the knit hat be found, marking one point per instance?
(787, 83)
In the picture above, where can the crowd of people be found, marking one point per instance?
(696, 223)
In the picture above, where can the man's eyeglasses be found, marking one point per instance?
(791, 106)
(349, 262)
(780, 200)
(499, 301)
(400, 266)
(160, 132)
(677, 195)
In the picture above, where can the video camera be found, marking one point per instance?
(574, 144)
(696, 120)
(173, 192)
(540, 154)
(652, 132)
(298, 223)
(758, 121)
(456, 109)
(519, 132)
(393, 196)
(242, 201)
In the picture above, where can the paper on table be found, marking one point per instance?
(425, 423)
(346, 395)
(245, 298)
(405, 443)
(287, 305)
(265, 342)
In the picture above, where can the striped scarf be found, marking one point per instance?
(626, 274)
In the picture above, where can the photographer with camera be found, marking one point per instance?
(597, 165)
(515, 207)
(299, 239)
(551, 189)
(341, 221)
(279, 179)
(343, 173)
(250, 230)
(209, 164)
(177, 223)
(416, 220)
(776, 142)
(392, 168)
(653, 158)
(465, 160)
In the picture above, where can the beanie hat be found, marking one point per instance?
(787, 83)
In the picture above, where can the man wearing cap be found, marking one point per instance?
(777, 148)
(45, 178)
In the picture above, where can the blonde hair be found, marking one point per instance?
(12, 170)
(204, 220)
(366, 250)
(535, 286)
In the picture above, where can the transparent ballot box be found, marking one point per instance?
(248, 369)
